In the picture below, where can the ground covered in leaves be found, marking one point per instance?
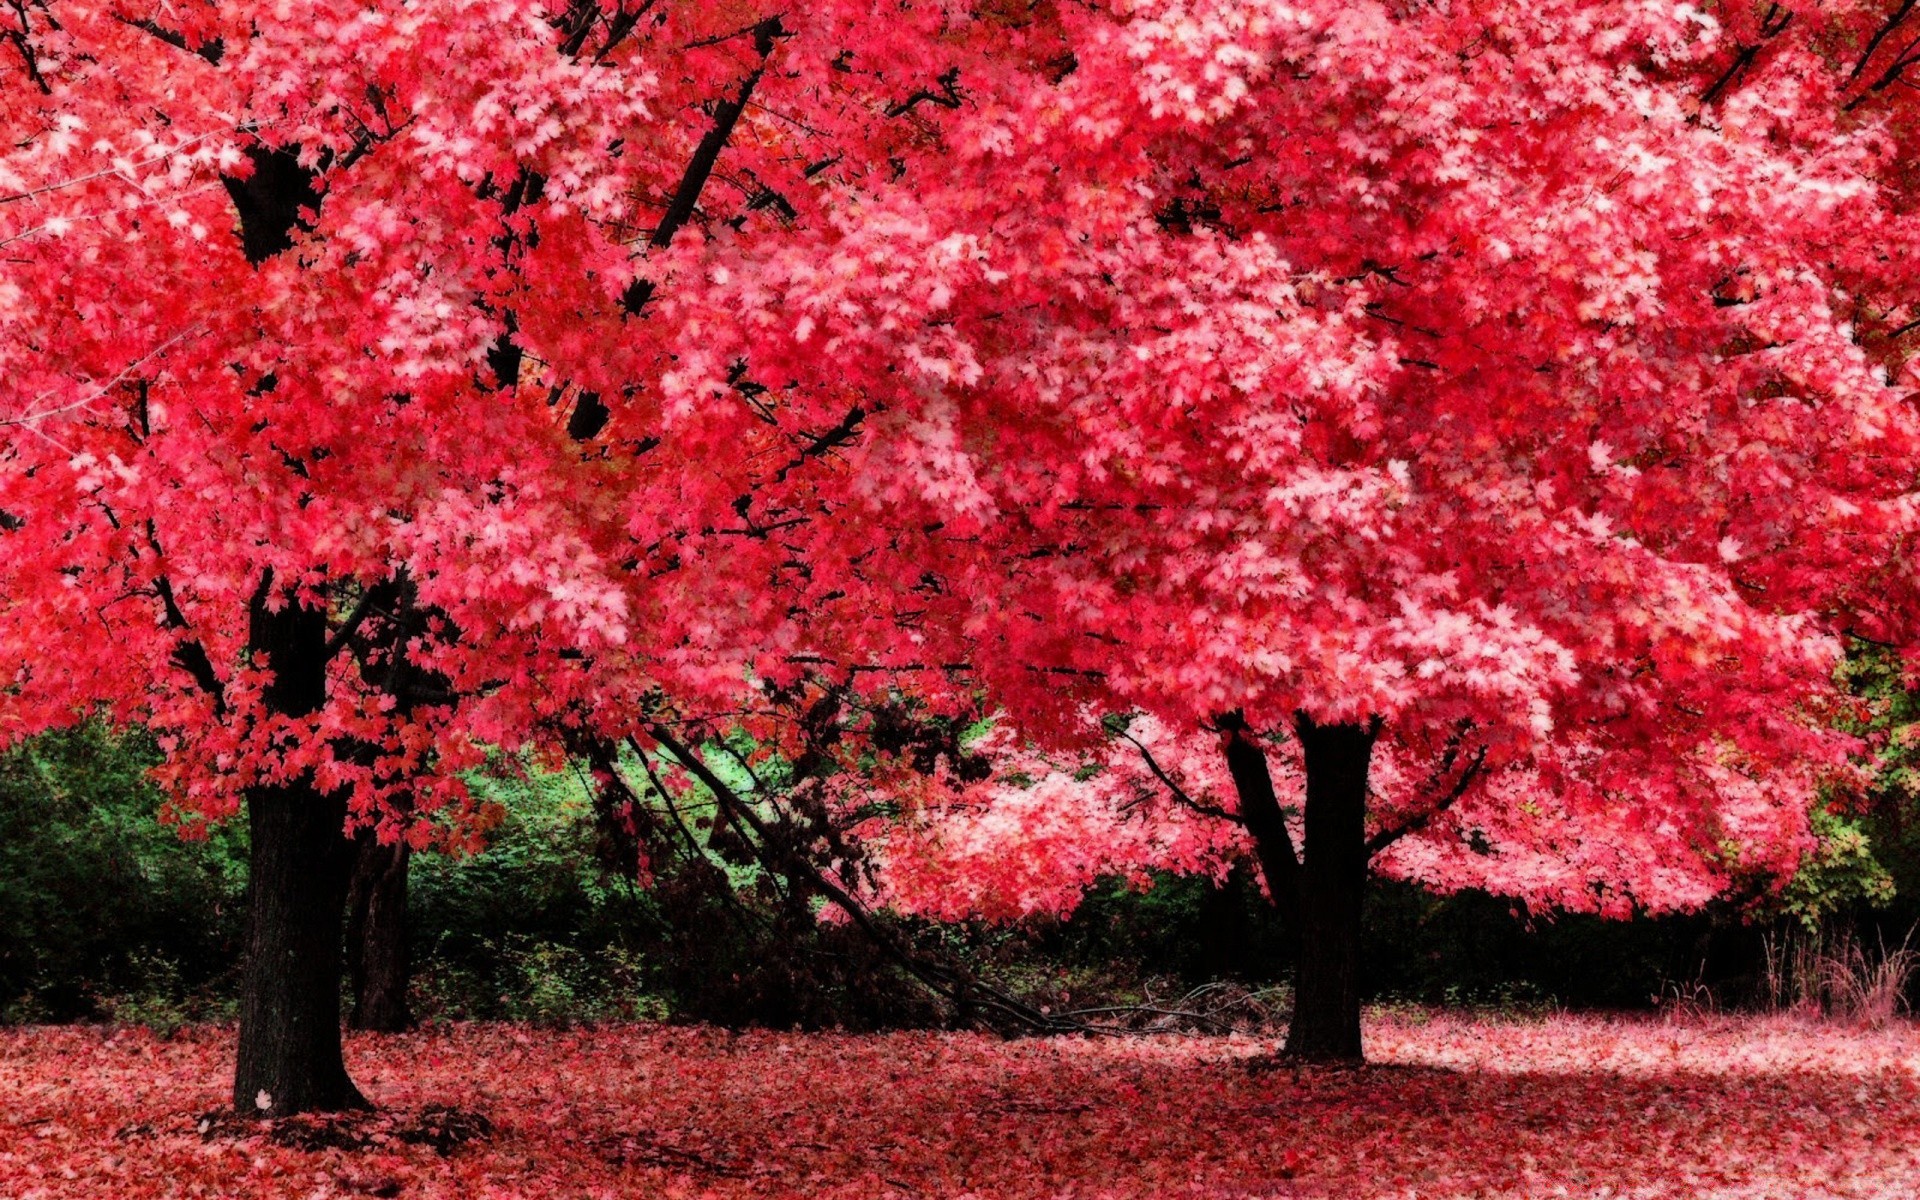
(1455, 1107)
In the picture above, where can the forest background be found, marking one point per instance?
(109, 914)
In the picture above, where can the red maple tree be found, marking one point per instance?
(1518, 394)
(341, 440)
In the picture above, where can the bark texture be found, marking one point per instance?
(378, 969)
(1333, 881)
(290, 1057)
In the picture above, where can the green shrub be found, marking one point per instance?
(103, 911)
(532, 928)
(107, 914)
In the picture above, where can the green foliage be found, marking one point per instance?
(105, 913)
(154, 995)
(1469, 949)
(1841, 873)
(742, 942)
(528, 979)
(1476, 950)
(532, 928)
(1189, 928)
(538, 927)
(1874, 858)
(98, 901)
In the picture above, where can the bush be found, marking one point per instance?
(105, 914)
(538, 927)
(103, 911)
(531, 928)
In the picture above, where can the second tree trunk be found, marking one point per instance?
(377, 968)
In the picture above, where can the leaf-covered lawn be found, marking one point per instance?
(1455, 1107)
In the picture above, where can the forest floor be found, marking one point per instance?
(1455, 1106)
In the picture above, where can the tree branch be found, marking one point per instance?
(378, 596)
(1387, 837)
(1771, 26)
(947, 97)
(949, 982)
(820, 444)
(1893, 22)
(725, 116)
(188, 654)
(22, 40)
(1261, 813)
(212, 51)
(1179, 793)
(1892, 75)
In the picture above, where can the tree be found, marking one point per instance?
(1513, 394)
(310, 309)
(1046, 826)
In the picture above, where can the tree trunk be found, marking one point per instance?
(1333, 879)
(1223, 928)
(377, 968)
(290, 1055)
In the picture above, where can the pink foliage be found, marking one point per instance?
(1036, 835)
(1044, 827)
(1524, 370)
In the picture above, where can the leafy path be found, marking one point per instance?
(1456, 1107)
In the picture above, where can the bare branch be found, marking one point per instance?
(946, 981)
(188, 653)
(1387, 837)
(1179, 793)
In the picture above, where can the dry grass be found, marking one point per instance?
(1840, 978)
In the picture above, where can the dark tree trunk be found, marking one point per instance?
(1333, 880)
(1223, 928)
(290, 1056)
(377, 968)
